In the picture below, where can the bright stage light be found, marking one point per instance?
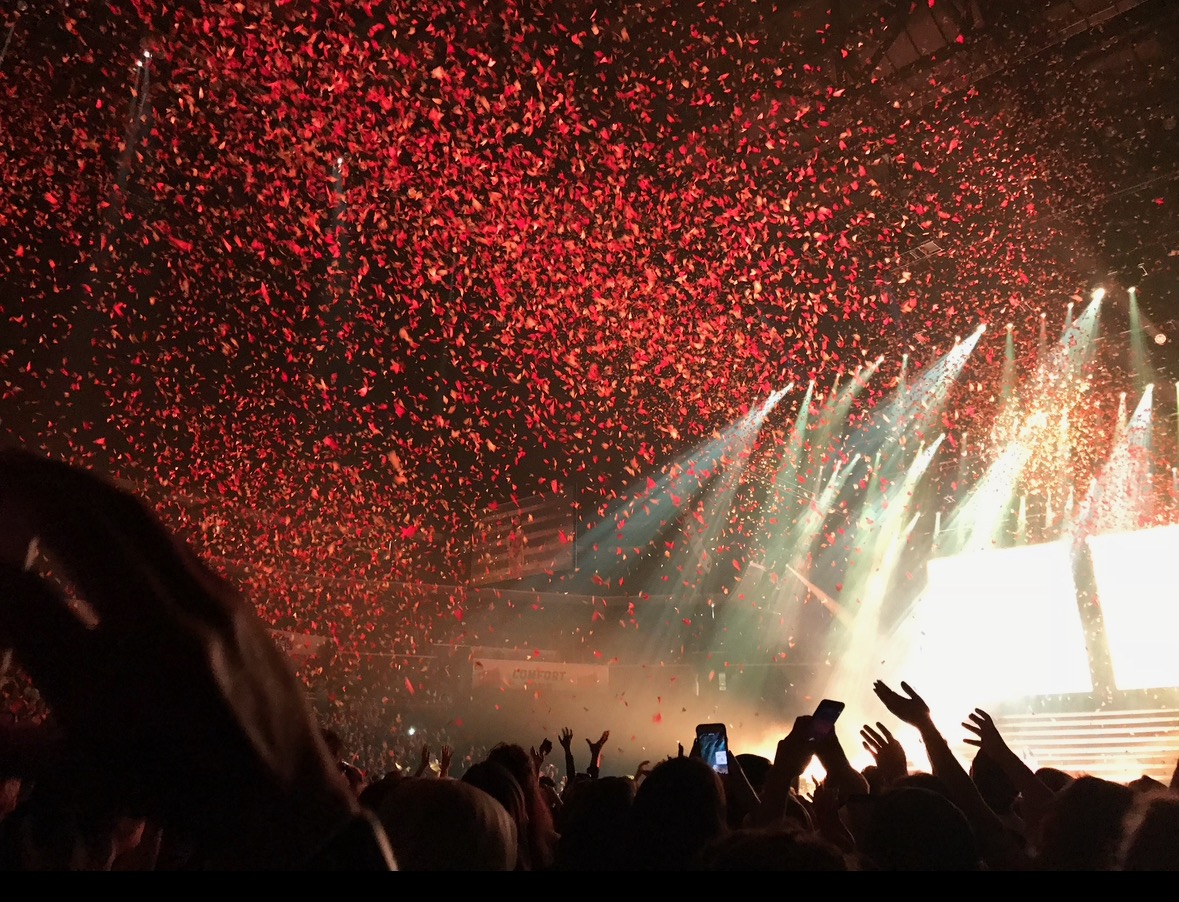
(1014, 605)
(1098, 294)
(982, 327)
(1160, 338)
(1010, 326)
(1137, 605)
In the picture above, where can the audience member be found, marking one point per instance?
(180, 739)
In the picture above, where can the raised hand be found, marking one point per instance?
(539, 754)
(891, 761)
(987, 737)
(424, 763)
(565, 737)
(444, 761)
(910, 708)
(596, 747)
(170, 694)
(841, 776)
(796, 748)
(641, 772)
(794, 752)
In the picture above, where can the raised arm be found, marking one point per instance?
(794, 752)
(842, 779)
(641, 772)
(892, 763)
(1036, 797)
(994, 842)
(740, 798)
(539, 755)
(565, 737)
(424, 761)
(595, 748)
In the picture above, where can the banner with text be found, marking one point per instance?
(492, 673)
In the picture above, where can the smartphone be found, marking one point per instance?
(823, 720)
(714, 746)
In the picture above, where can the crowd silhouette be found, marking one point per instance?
(179, 738)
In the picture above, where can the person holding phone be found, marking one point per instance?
(823, 720)
(713, 742)
(841, 778)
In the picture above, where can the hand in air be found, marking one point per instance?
(539, 754)
(986, 736)
(891, 761)
(596, 747)
(910, 707)
(797, 747)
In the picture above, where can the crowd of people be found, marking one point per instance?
(179, 738)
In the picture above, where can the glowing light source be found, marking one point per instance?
(979, 595)
(1098, 294)
(1134, 601)
(1160, 338)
